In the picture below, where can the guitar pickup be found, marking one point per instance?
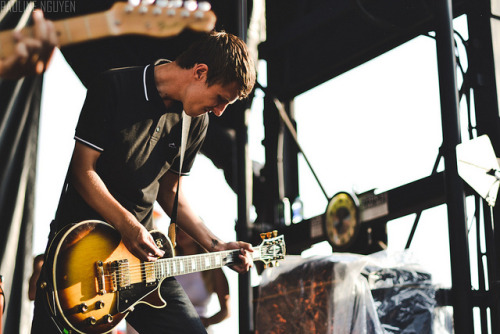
(120, 273)
(101, 282)
(149, 273)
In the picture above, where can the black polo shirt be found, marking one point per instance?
(125, 119)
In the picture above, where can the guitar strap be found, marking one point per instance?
(186, 123)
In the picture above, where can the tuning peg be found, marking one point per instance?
(191, 5)
(204, 6)
(134, 3)
(263, 236)
(176, 3)
(161, 3)
(129, 8)
(157, 10)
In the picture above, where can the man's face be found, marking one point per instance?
(201, 98)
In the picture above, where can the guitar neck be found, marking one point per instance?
(69, 31)
(121, 19)
(195, 263)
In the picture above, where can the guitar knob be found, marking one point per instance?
(108, 318)
(83, 307)
(91, 321)
(275, 233)
(268, 234)
(99, 304)
(263, 236)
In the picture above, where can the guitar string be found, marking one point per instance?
(170, 266)
(189, 259)
(150, 268)
(147, 267)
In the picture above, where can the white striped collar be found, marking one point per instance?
(144, 83)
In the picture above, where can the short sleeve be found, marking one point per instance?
(93, 125)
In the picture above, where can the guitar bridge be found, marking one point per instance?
(120, 273)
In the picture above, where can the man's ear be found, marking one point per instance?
(200, 71)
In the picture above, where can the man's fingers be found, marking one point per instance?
(33, 46)
(22, 53)
(145, 254)
(40, 26)
(52, 35)
(155, 251)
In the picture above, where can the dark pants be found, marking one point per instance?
(179, 316)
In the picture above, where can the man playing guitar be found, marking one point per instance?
(126, 157)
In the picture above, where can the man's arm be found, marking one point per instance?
(194, 226)
(32, 54)
(93, 190)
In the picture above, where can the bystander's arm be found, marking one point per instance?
(31, 54)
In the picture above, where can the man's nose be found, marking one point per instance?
(219, 110)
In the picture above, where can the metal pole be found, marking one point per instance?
(244, 186)
(245, 293)
(455, 197)
(481, 56)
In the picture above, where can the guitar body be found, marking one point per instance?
(96, 280)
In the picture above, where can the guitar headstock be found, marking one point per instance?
(165, 18)
(272, 248)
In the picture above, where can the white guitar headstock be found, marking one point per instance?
(162, 19)
(272, 248)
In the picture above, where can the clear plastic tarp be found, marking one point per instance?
(349, 294)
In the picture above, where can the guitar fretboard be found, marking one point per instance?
(194, 263)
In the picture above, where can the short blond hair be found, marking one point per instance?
(227, 58)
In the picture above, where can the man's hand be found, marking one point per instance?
(244, 256)
(139, 242)
(32, 54)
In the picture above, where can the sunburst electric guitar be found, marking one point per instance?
(95, 281)
(164, 19)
